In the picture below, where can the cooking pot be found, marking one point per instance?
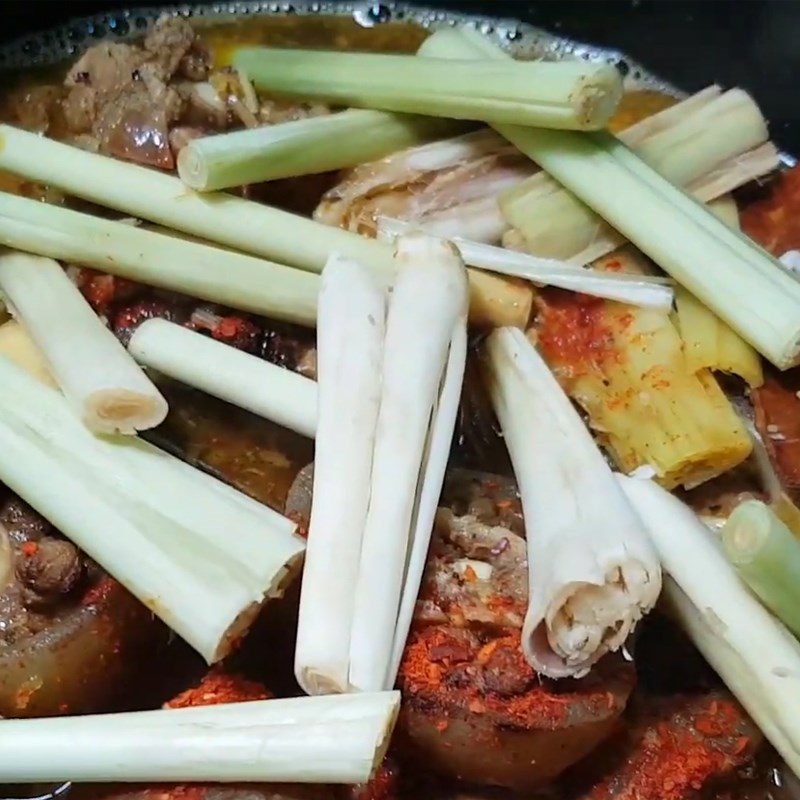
(690, 43)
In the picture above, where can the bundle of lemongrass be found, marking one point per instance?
(152, 521)
(729, 273)
(390, 371)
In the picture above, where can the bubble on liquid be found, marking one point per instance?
(369, 15)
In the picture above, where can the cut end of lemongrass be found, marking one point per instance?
(596, 96)
(746, 531)
(98, 377)
(193, 168)
(589, 584)
(123, 411)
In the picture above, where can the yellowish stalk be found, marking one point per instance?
(708, 342)
(631, 377)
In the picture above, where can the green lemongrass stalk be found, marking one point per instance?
(753, 653)
(564, 94)
(296, 740)
(150, 520)
(214, 217)
(641, 290)
(105, 386)
(301, 147)
(161, 198)
(423, 364)
(704, 144)
(766, 555)
(169, 262)
(728, 272)
(239, 378)
(590, 583)
(350, 338)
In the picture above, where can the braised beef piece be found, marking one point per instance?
(127, 97)
(49, 569)
(47, 572)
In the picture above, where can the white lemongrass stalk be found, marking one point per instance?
(433, 471)
(169, 262)
(104, 385)
(161, 198)
(426, 318)
(150, 520)
(296, 740)
(301, 147)
(592, 571)
(244, 380)
(572, 94)
(351, 326)
(740, 282)
(753, 653)
(640, 290)
(16, 345)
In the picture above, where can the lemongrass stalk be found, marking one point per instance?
(753, 653)
(708, 342)
(642, 290)
(433, 470)
(298, 740)
(766, 555)
(590, 581)
(214, 217)
(564, 94)
(17, 346)
(736, 279)
(209, 273)
(150, 520)
(105, 386)
(239, 378)
(301, 147)
(161, 198)
(352, 312)
(704, 143)
(427, 315)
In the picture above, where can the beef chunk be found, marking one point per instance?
(49, 568)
